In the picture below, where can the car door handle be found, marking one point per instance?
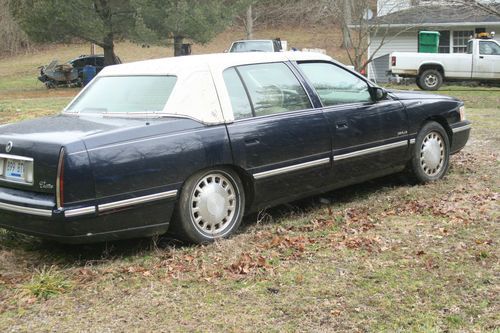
(252, 141)
(481, 57)
(341, 124)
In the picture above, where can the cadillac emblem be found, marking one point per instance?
(8, 147)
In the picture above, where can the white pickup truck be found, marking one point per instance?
(481, 63)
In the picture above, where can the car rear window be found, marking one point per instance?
(252, 46)
(125, 94)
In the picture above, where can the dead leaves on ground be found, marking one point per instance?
(247, 263)
(270, 250)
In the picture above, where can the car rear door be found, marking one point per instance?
(369, 137)
(278, 137)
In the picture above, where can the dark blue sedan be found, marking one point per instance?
(193, 144)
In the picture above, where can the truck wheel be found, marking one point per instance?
(417, 82)
(430, 79)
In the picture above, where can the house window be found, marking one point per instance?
(444, 41)
(460, 39)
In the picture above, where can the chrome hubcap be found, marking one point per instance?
(432, 154)
(213, 204)
(431, 80)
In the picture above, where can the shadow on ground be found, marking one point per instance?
(50, 253)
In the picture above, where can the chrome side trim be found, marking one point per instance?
(80, 211)
(413, 141)
(370, 150)
(279, 171)
(136, 201)
(461, 128)
(26, 210)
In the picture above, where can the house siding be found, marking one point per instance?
(404, 42)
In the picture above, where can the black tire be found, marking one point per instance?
(431, 153)
(205, 211)
(430, 79)
(417, 82)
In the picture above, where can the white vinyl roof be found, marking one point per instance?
(200, 92)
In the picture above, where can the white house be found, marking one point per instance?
(398, 22)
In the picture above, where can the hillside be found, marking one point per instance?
(22, 68)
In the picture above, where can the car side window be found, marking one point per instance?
(273, 88)
(99, 62)
(489, 48)
(237, 94)
(78, 63)
(88, 62)
(335, 85)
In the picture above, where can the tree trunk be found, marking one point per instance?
(346, 38)
(249, 23)
(109, 50)
(178, 45)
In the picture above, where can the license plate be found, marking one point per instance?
(15, 169)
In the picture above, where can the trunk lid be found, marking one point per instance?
(42, 139)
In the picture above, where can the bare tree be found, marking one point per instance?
(490, 7)
(358, 28)
(256, 13)
(12, 38)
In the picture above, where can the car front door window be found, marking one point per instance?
(336, 85)
(489, 48)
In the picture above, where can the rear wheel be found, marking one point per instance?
(431, 153)
(430, 79)
(211, 206)
(417, 81)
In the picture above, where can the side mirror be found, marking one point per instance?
(379, 93)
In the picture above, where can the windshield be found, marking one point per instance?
(125, 94)
(252, 46)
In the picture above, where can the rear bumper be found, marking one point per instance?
(461, 133)
(404, 72)
(83, 225)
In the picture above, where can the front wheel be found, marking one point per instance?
(431, 154)
(430, 79)
(211, 206)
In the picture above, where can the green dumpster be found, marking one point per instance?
(428, 41)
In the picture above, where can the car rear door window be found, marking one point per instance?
(336, 85)
(273, 88)
(237, 94)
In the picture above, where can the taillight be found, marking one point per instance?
(393, 61)
(60, 180)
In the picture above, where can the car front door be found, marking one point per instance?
(278, 138)
(370, 138)
(487, 63)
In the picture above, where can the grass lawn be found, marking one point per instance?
(386, 255)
